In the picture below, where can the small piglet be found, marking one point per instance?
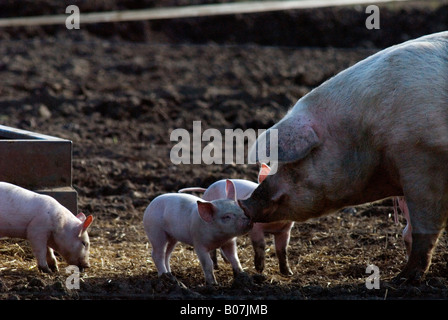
(280, 229)
(205, 225)
(46, 224)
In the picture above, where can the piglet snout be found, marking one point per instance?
(83, 266)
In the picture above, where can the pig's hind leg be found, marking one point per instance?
(169, 249)
(426, 195)
(160, 255)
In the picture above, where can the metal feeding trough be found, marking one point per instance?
(38, 162)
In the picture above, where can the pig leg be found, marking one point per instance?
(281, 248)
(38, 238)
(169, 249)
(230, 252)
(259, 245)
(39, 248)
(426, 228)
(206, 263)
(160, 244)
(158, 256)
(241, 278)
(423, 177)
(214, 257)
(420, 258)
(51, 260)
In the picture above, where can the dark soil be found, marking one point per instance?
(118, 90)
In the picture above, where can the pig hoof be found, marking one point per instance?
(54, 268)
(45, 269)
(415, 278)
(286, 272)
(259, 278)
(259, 269)
(242, 280)
(168, 279)
(210, 288)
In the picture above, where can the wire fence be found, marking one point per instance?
(186, 11)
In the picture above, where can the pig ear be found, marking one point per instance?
(81, 216)
(230, 190)
(206, 211)
(289, 140)
(86, 223)
(264, 172)
(296, 138)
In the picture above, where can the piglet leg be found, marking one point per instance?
(214, 257)
(39, 247)
(230, 252)
(206, 263)
(51, 260)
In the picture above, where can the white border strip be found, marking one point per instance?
(185, 12)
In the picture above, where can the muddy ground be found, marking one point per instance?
(118, 99)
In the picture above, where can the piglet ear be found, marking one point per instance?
(230, 190)
(81, 216)
(206, 211)
(87, 222)
(264, 172)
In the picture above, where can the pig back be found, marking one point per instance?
(217, 190)
(174, 214)
(19, 206)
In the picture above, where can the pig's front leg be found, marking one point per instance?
(51, 260)
(214, 257)
(241, 279)
(207, 264)
(229, 249)
(281, 249)
(259, 245)
(39, 246)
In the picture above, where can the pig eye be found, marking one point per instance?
(84, 243)
(226, 218)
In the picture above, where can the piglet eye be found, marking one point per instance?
(84, 243)
(226, 218)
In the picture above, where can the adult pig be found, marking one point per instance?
(46, 224)
(377, 129)
(205, 225)
(280, 229)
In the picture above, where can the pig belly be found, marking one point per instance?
(274, 227)
(10, 230)
(180, 232)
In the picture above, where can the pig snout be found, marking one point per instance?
(83, 266)
(246, 223)
(245, 209)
